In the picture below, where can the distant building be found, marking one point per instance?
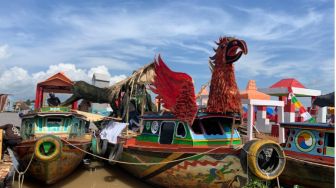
(21, 106)
(202, 99)
(100, 80)
(4, 102)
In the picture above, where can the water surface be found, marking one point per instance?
(96, 175)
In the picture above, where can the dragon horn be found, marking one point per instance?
(214, 50)
(211, 65)
(213, 57)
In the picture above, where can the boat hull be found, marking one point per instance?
(50, 172)
(208, 170)
(307, 174)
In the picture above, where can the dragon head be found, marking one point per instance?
(229, 50)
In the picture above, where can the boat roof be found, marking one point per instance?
(79, 114)
(308, 125)
(200, 115)
(48, 114)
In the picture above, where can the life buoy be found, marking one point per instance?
(115, 153)
(48, 148)
(265, 158)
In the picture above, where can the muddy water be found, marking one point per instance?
(95, 175)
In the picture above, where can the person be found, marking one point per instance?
(53, 100)
(12, 136)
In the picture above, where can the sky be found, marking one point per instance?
(286, 39)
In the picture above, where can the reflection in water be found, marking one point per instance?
(96, 175)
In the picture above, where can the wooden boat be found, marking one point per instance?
(43, 149)
(310, 155)
(207, 154)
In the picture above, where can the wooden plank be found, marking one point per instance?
(1, 131)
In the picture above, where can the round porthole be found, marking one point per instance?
(305, 141)
(155, 127)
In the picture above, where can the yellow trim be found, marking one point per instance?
(212, 140)
(156, 167)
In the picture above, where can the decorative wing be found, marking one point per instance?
(176, 90)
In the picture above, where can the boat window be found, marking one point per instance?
(65, 126)
(226, 124)
(212, 126)
(167, 132)
(196, 127)
(180, 131)
(82, 127)
(29, 129)
(330, 142)
(75, 128)
(54, 124)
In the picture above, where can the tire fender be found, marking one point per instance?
(56, 146)
(265, 158)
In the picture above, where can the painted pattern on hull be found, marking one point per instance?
(204, 172)
(215, 170)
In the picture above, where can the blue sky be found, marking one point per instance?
(285, 39)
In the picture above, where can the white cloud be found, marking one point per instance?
(111, 63)
(100, 69)
(4, 52)
(115, 79)
(21, 84)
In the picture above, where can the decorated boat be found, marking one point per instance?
(43, 149)
(172, 153)
(50, 132)
(310, 155)
(179, 146)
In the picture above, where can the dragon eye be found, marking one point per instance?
(222, 46)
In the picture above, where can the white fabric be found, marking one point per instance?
(112, 131)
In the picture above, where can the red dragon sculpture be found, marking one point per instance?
(176, 89)
(224, 94)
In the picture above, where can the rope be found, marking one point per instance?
(309, 162)
(278, 182)
(130, 163)
(21, 174)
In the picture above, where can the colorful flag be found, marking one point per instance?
(303, 113)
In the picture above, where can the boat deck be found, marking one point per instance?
(5, 166)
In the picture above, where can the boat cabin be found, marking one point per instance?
(53, 120)
(310, 140)
(207, 129)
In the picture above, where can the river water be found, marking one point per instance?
(95, 175)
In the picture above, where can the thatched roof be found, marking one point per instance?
(144, 75)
